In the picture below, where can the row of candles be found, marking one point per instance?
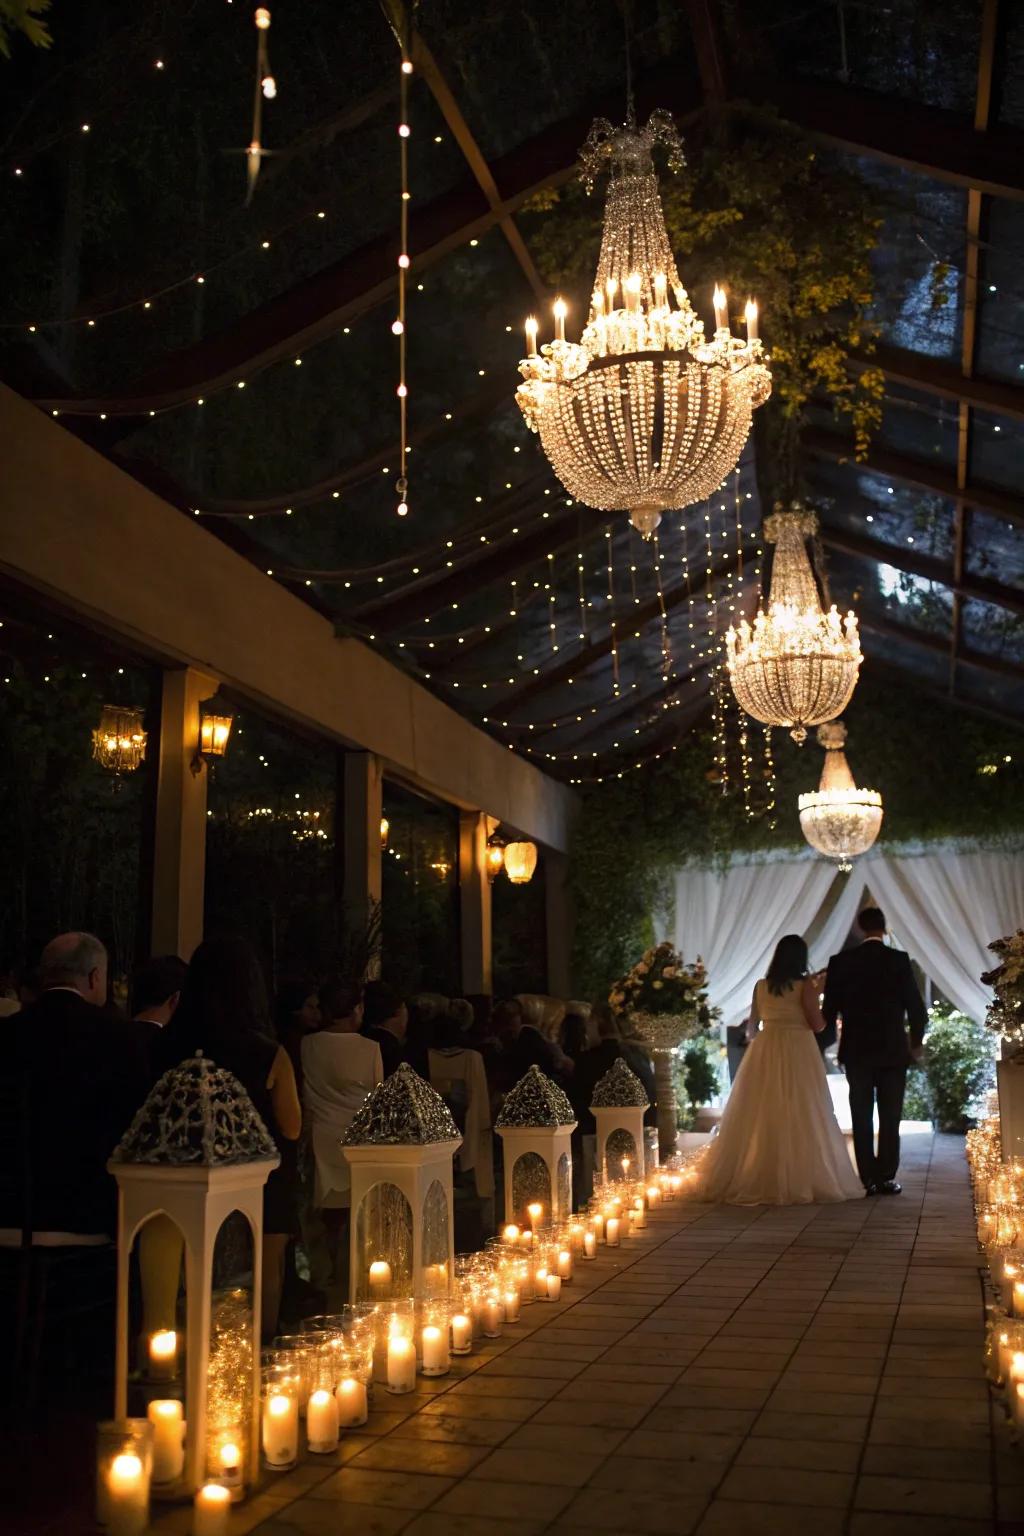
(611, 319)
(325, 1376)
(998, 1188)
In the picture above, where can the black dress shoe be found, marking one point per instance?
(871, 1189)
(890, 1187)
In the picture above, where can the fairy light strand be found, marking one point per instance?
(399, 325)
(611, 615)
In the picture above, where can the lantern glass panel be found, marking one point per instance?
(384, 1235)
(531, 1183)
(435, 1242)
(157, 1259)
(619, 1146)
(564, 1181)
(233, 1343)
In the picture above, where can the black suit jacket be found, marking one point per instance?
(87, 1074)
(873, 989)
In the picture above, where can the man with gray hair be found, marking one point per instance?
(82, 1074)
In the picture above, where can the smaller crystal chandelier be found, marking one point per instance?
(838, 819)
(119, 742)
(798, 665)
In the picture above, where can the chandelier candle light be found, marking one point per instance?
(797, 666)
(643, 413)
(838, 819)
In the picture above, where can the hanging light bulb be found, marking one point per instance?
(838, 819)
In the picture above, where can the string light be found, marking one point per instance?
(399, 326)
(611, 615)
(264, 79)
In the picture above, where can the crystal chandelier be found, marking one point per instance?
(838, 819)
(643, 413)
(119, 742)
(798, 665)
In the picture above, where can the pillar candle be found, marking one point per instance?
(535, 1211)
(653, 1195)
(750, 314)
(611, 1232)
(1017, 1295)
(531, 337)
(494, 1316)
(380, 1278)
(462, 1334)
(163, 1354)
(401, 1364)
(561, 310)
(281, 1430)
(434, 1341)
(350, 1395)
(322, 1422)
(165, 1415)
(639, 1214)
(210, 1510)
(721, 309)
(554, 1285)
(597, 1225)
(126, 1505)
(1014, 1375)
(511, 1306)
(590, 1245)
(565, 1265)
(229, 1461)
(540, 1283)
(511, 1233)
(526, 1238)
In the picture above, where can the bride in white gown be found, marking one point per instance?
(779, 1142)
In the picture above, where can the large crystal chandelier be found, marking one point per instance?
(643, 413)
(838, 819)
(798, 665)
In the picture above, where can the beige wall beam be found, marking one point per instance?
(475, 901)
(559, 918)
(82, 533)
(179, 840)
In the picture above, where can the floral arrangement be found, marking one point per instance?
(662, 983)
(1006, 1013)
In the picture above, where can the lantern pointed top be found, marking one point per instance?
(619, 1088)
(197, 1114)
(535, 1100)
(404, 1110)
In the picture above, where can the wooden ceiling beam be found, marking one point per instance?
(971, 588)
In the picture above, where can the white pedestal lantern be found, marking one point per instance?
(196, 1153)
(536, 1125)
(619, 1104)
(400, 1148)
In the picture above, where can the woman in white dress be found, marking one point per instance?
(779, 1142)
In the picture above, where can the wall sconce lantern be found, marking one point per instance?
(119, 741)
(520, 860)
(385, 828)
(214, 731)
(495, 860)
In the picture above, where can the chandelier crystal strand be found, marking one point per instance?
(666, 639)
(839, 820)
(769, 776)
(398, 326)
(797, 665)
(643, 413)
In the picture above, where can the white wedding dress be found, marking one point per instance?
(779, 1142)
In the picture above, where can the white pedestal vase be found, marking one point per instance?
(664, 1032)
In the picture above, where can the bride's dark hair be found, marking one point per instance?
(789, 964)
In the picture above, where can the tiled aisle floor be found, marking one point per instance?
(731, 1370)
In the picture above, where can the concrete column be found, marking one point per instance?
(559, 913)
(475, 903)
(179, 843)
(360, 841)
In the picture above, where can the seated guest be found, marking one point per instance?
(156, 990)
(460, 1010)
(84, 1076)
(339, 1068)
(386, 1021)
(574, 1036)
(224, 1011)
(523, 1047)
(296, 1015)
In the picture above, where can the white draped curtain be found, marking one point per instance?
(944, 907)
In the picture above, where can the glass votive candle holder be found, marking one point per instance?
(612, 1232)
(563, 1265)
(575, 1235)
(589, 1244)
(540, 1281)
(227, 1461)
(435, 1339)
(210, 1510)
(322, 1419)
(352, 1392)
(401, 1359)
(493, 1316)
(279, 1418)
(554, 1286)
(379, 1280)
(297, 1354)
(124, 1471)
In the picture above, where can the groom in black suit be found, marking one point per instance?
(872, 988)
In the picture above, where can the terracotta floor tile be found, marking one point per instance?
(549, 1468)
(924, 1496)
(728, 1517)
(809, 1455)
(638, 1513)
(393, 1490)
(486, 1500)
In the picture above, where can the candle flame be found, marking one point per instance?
(561, 309)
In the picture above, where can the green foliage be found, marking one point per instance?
(959, 1065)
(635, 832)
(701, 1061)
(763, 209)
(917, 1101)
(24, 16)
